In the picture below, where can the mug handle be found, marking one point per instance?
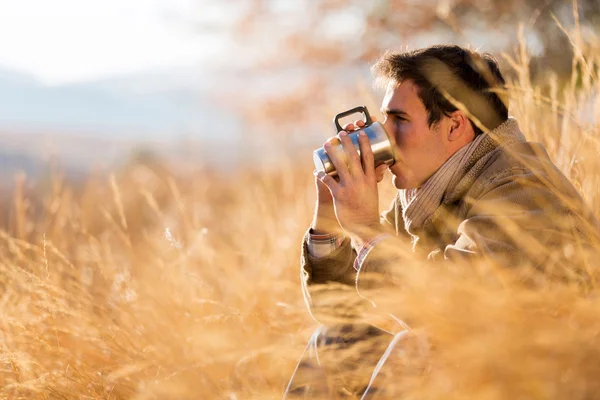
(358, 109)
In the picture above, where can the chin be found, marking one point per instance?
(398, 182)
(402, 182)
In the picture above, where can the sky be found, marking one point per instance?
(66, 41)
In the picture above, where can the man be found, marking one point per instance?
(470, 187)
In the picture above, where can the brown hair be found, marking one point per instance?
(449, 78)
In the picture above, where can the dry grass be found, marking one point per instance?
(100, 300)
(156, 285)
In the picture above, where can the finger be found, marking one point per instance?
(338, 159)
(368, 161)
(373, 118)
(380, 172)
(327, 180)
(352, 156)
(359, 123)
(381, 168)
(349, 127)
(334, 141)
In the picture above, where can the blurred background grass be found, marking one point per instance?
(166, 265)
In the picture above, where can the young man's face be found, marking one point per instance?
(419, 149)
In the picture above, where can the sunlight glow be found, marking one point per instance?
(73, 40)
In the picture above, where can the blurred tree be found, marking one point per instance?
(328, 32)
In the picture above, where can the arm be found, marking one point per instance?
(335, 267)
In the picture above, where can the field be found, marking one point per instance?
(180, 282)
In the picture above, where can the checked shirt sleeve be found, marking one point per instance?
(323, 244)
(364, 250)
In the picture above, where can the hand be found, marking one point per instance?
(323, 193)
(354, 194)
(324, 220)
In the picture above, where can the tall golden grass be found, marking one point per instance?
(184, 284)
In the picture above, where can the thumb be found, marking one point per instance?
(380, 172)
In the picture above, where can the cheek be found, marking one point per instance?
(404, 136)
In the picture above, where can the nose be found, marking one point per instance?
(390, 131)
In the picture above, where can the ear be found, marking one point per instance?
(460, 127)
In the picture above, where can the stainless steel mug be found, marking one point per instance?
(383, 152)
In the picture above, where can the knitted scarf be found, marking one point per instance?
(418, 204)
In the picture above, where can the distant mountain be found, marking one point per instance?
(161, 105)
(101, 123)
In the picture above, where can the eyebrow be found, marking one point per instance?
(393, 111)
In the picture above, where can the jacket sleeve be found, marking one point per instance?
(336, 267)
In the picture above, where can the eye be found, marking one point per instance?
(397, 119)
(393, 118)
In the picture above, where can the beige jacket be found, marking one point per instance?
(509, 203)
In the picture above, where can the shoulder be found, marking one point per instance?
(526, 161)
(526, 156)
(516, 160)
